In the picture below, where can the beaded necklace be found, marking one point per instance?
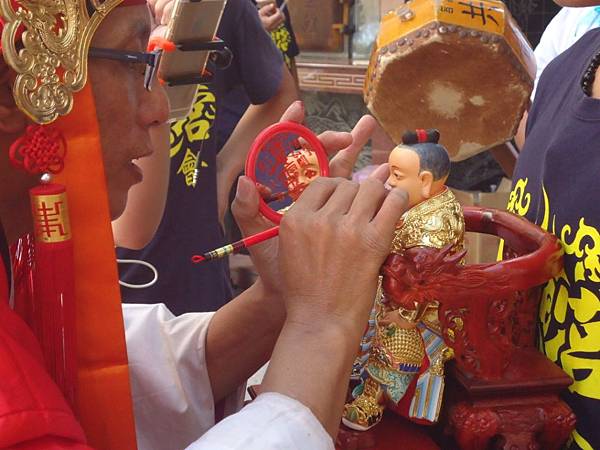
(587, 81)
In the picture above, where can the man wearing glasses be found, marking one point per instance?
(305, 312)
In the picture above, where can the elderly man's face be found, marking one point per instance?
(126, 111)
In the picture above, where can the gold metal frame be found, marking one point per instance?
(50, 57)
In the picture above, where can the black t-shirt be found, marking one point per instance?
(190, 223)
(556, 187)
(237, 101)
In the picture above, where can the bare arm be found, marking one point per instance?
(241, 337)
(232, 157)
(146, 201)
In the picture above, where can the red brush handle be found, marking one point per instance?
(260, 237)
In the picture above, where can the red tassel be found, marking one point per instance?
(22, 272)
(53, 285)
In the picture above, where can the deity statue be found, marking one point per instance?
(402, 365)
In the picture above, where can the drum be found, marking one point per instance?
(463, 67)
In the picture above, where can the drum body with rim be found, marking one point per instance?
(463, 67)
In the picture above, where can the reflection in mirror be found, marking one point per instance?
(283, 162)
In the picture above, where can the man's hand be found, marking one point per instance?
(332, 244)
(345, 147)
(271, 17)
(161, 10)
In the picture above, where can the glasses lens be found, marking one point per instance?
(151, 69)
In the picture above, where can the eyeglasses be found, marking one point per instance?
(149, 59)
(220, 56)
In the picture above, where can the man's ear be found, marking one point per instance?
(426, 178)
(12, 120)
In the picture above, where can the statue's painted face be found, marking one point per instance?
(301, 168)
(405, 173)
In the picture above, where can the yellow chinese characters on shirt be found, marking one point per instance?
(186, 133)
(282, 39)
(570, 305)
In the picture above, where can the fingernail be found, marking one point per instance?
(244, 188)
(300, 105)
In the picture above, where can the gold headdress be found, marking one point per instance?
(46, 42)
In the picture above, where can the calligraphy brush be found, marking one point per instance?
(275, 197)
(228, 249)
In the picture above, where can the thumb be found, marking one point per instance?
(245, 208)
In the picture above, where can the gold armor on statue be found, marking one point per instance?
(406, 351)
(435, 223)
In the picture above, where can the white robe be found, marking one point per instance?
(172, 397)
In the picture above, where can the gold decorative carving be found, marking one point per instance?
(50, 56)
(433, 223)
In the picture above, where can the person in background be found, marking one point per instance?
(554, 187)
(278, 24)
(276, 20)
(562, 32)
(191, 222)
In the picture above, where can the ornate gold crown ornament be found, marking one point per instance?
(46, 42)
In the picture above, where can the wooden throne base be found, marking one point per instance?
(521, 411)
(392, 433)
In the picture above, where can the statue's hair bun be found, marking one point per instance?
(421, 136)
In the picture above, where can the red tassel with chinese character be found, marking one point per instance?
(54, 304)
(41, 151)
